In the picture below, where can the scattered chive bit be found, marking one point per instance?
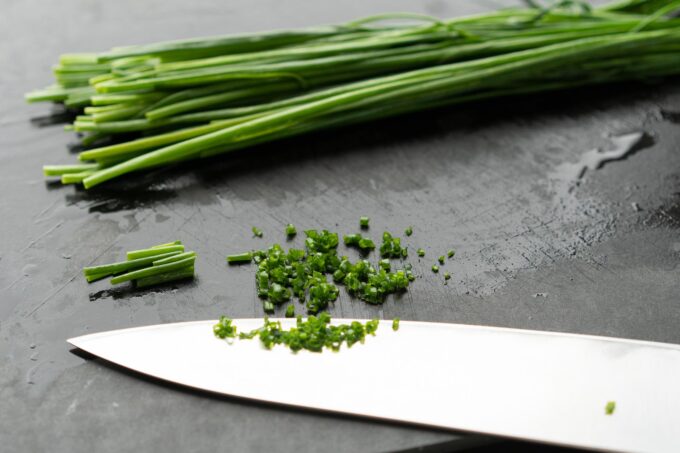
(363, 222)
(421, 253)
(224, 329)
(447, 276)
(451, 253)
(408, 231)
(435, 268)
(391, 247)
(290, 311)
(257, 232)
(395, 324)
(291, 230)
(304, 274)
(441, 259)
(357, 240)
(610, 407)
(155, 265)
(240, 258)
(312, 334)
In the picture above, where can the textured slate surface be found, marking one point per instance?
(490, 180)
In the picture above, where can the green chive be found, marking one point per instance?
(363, 222)
(451, 253)
(421, 253)
(313, 334)
(408, 231)
(257, 232)
(124, 266)
(172, 259)
(435, 268)
(153, 270)
(441, 259)
(395, 324)
(290, 230)
(610, 407)
(166, 277)
(155, 251)
(240, 258)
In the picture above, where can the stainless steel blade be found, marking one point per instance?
(540, 386)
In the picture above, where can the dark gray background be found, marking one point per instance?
(487, 180)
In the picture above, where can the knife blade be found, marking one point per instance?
(539, 386)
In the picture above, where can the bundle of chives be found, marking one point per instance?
(158, 264)
(197, 98)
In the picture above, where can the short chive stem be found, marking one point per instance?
(240, 258)
(153, 270)
(154, 251)
(172, 259)
(179, 274)
(125, 266)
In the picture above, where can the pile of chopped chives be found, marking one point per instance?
(312, 334)
(159, 264)
(158, 104)
(304, 273)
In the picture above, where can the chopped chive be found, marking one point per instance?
(240, 258)
(385, 264)
(363, 222)
(291, 230)
(441, 259)
(447, 276)
(290, 311)
(257, 232)
(366, 244)
(391, 247)
(224, 328)
(435, 268)
(451, 253)
(351, 239)
(313, 334)
(408, 231)
(395, 324)
(610, 407)
(421, 253)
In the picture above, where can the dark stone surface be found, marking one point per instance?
(533, 249)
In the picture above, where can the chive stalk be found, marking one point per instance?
(153, 270)
(154, 251)
(205, 96)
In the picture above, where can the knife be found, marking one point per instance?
(531, 385)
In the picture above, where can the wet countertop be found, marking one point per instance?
(548, 234)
